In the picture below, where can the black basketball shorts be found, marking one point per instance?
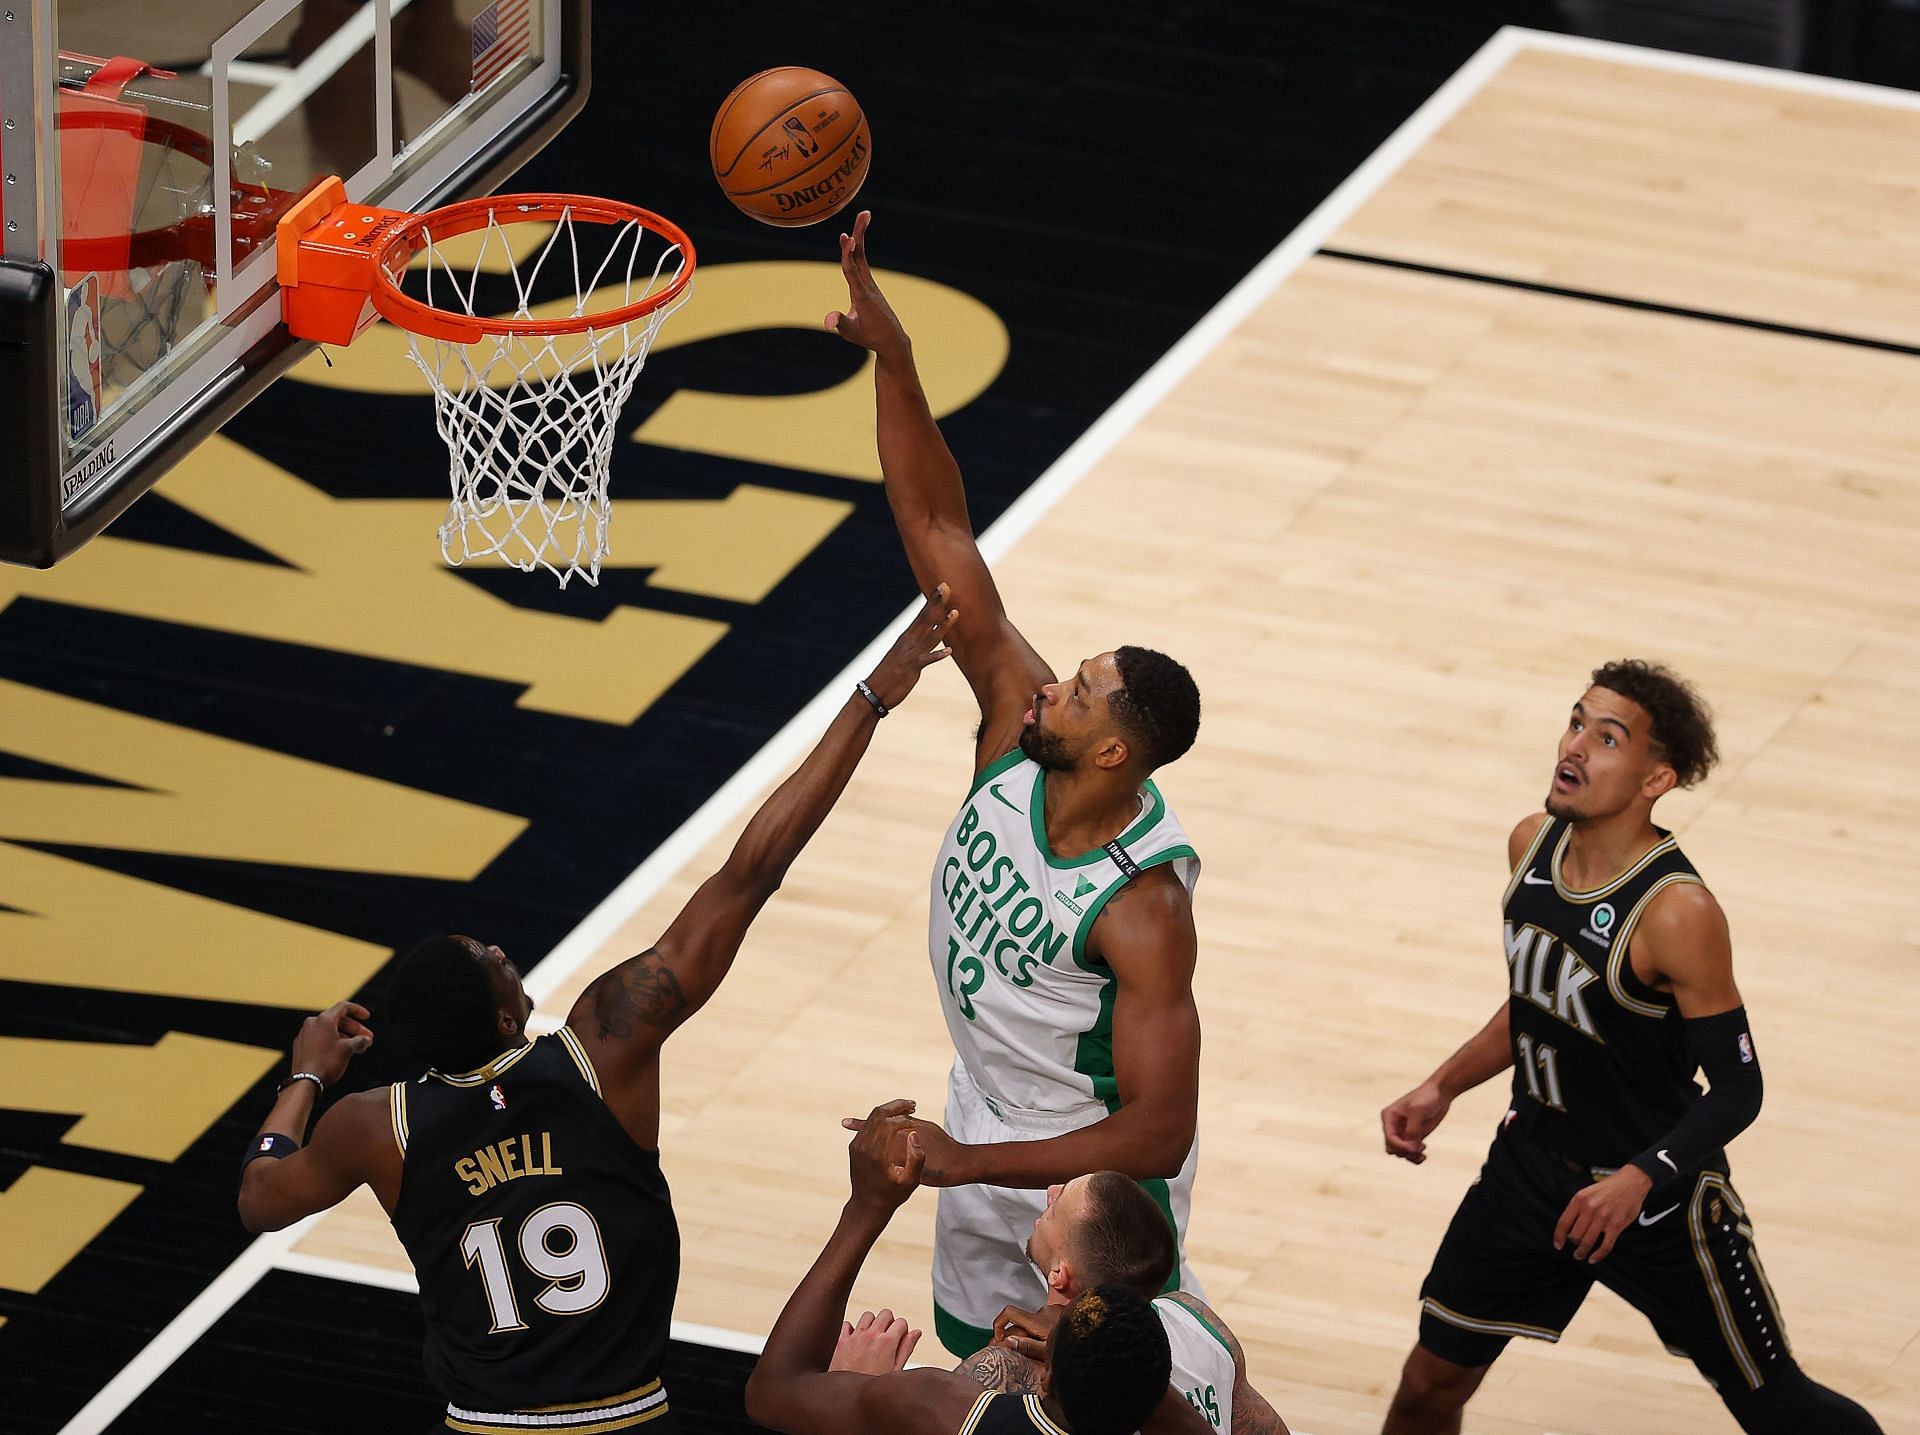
(1688, 1264)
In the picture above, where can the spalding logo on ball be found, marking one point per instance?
(790, 146)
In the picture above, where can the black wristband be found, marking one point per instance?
(301, 1076)
(860, 686)
(271, 1145)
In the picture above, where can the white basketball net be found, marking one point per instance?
(529, 419)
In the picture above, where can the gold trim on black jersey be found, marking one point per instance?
(485, 1073)
(1525, 864)
(397, 1114)
(968, 1425)
(1489, 1327)
(578, 1052)
(1659, 849)
(1617, 951)
(615, 1412)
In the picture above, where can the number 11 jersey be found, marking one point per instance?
(1601, 1063)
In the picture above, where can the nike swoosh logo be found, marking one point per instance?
(994, 788)
(1646, 1220)
(1533, 881)
(1663, 1156)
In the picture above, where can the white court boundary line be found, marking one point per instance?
(275, 1251)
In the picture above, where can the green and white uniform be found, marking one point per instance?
(1031, 1016)
(1202, 1362)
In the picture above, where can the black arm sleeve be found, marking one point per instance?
(1724, 1048)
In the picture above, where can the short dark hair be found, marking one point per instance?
(1111, 1363)
(442, 1005)
(1681, 724)
(1123, 1237)
(1157, 704)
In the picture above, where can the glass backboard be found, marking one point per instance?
(146, 152)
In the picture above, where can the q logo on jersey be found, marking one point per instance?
(1599, 926)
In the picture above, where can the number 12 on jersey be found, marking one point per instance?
(1548, 1064)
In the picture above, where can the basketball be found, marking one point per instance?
(790, 146)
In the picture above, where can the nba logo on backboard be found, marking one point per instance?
(83, 356)
(497, 1097)
(1746, 1047)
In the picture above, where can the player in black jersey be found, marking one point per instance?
(1107, 1356)
(1611, 1164)
(522, 1177)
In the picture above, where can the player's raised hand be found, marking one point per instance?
(884, 1170)
(868, 320)
(1597, 1214)
(329, 1040)
(875, 1345)
(1408, 1122)
(920, 645)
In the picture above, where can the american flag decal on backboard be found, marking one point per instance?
(502, 33)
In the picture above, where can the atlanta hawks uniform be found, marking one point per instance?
(1602, 1070)
(545, 1244)
(1031, 1016)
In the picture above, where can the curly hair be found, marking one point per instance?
(1157, 704)
(1123, 1237)
(1680, 723)
(442, 1004)
(1111, 1362)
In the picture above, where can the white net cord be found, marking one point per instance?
(529, 419)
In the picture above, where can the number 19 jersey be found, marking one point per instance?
(1029, 1010)
(544, 1241)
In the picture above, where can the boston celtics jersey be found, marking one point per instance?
(543, 1238)
(1601, 1063)
(1202, 1361)
(1029, 1010)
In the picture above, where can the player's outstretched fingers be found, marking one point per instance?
(907, 1345)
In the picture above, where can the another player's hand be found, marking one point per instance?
(942, 1160)
(884, 1159)
(868, 319)
(328, 1041)
(922, 644)
(1025, 1331)
(1409, 1121)
(875, 1345)
(1597, 1214)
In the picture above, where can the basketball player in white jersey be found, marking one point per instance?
(1061, 929)
(1100, 1230)
(1097, 1230)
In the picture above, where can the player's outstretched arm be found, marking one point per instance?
(625, 1014)
(286, 1178)
(929, 503)
(1146, 935)
(791, 1388)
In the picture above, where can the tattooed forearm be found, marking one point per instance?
(642, 989)
(1001, 1368)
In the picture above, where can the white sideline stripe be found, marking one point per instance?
(1020, 518)
(184, 1329)
(1857, 92)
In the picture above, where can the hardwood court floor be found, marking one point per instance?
(1390, 523)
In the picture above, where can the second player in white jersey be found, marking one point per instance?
(1030, 1016)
